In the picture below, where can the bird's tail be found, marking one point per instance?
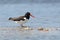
(10, 18)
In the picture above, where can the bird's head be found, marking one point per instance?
(29, 14)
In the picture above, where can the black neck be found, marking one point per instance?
(27, 16)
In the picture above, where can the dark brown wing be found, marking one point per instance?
(18, 18)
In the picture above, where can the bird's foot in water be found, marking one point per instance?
(24, 26)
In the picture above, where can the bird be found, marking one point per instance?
(22, 19)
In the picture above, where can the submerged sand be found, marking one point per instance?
(29, 33)
(27, 28)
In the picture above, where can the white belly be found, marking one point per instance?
(22, 22)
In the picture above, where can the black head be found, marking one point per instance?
(27, 15)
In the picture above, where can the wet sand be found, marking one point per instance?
(27, 28)
(29, 33)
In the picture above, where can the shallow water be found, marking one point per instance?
(17, 34)
(47, 15)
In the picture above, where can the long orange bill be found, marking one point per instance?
(32, 16)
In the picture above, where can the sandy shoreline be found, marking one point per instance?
(27, 28)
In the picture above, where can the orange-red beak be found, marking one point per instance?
(32, 16)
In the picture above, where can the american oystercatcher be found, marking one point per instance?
(22, 19)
